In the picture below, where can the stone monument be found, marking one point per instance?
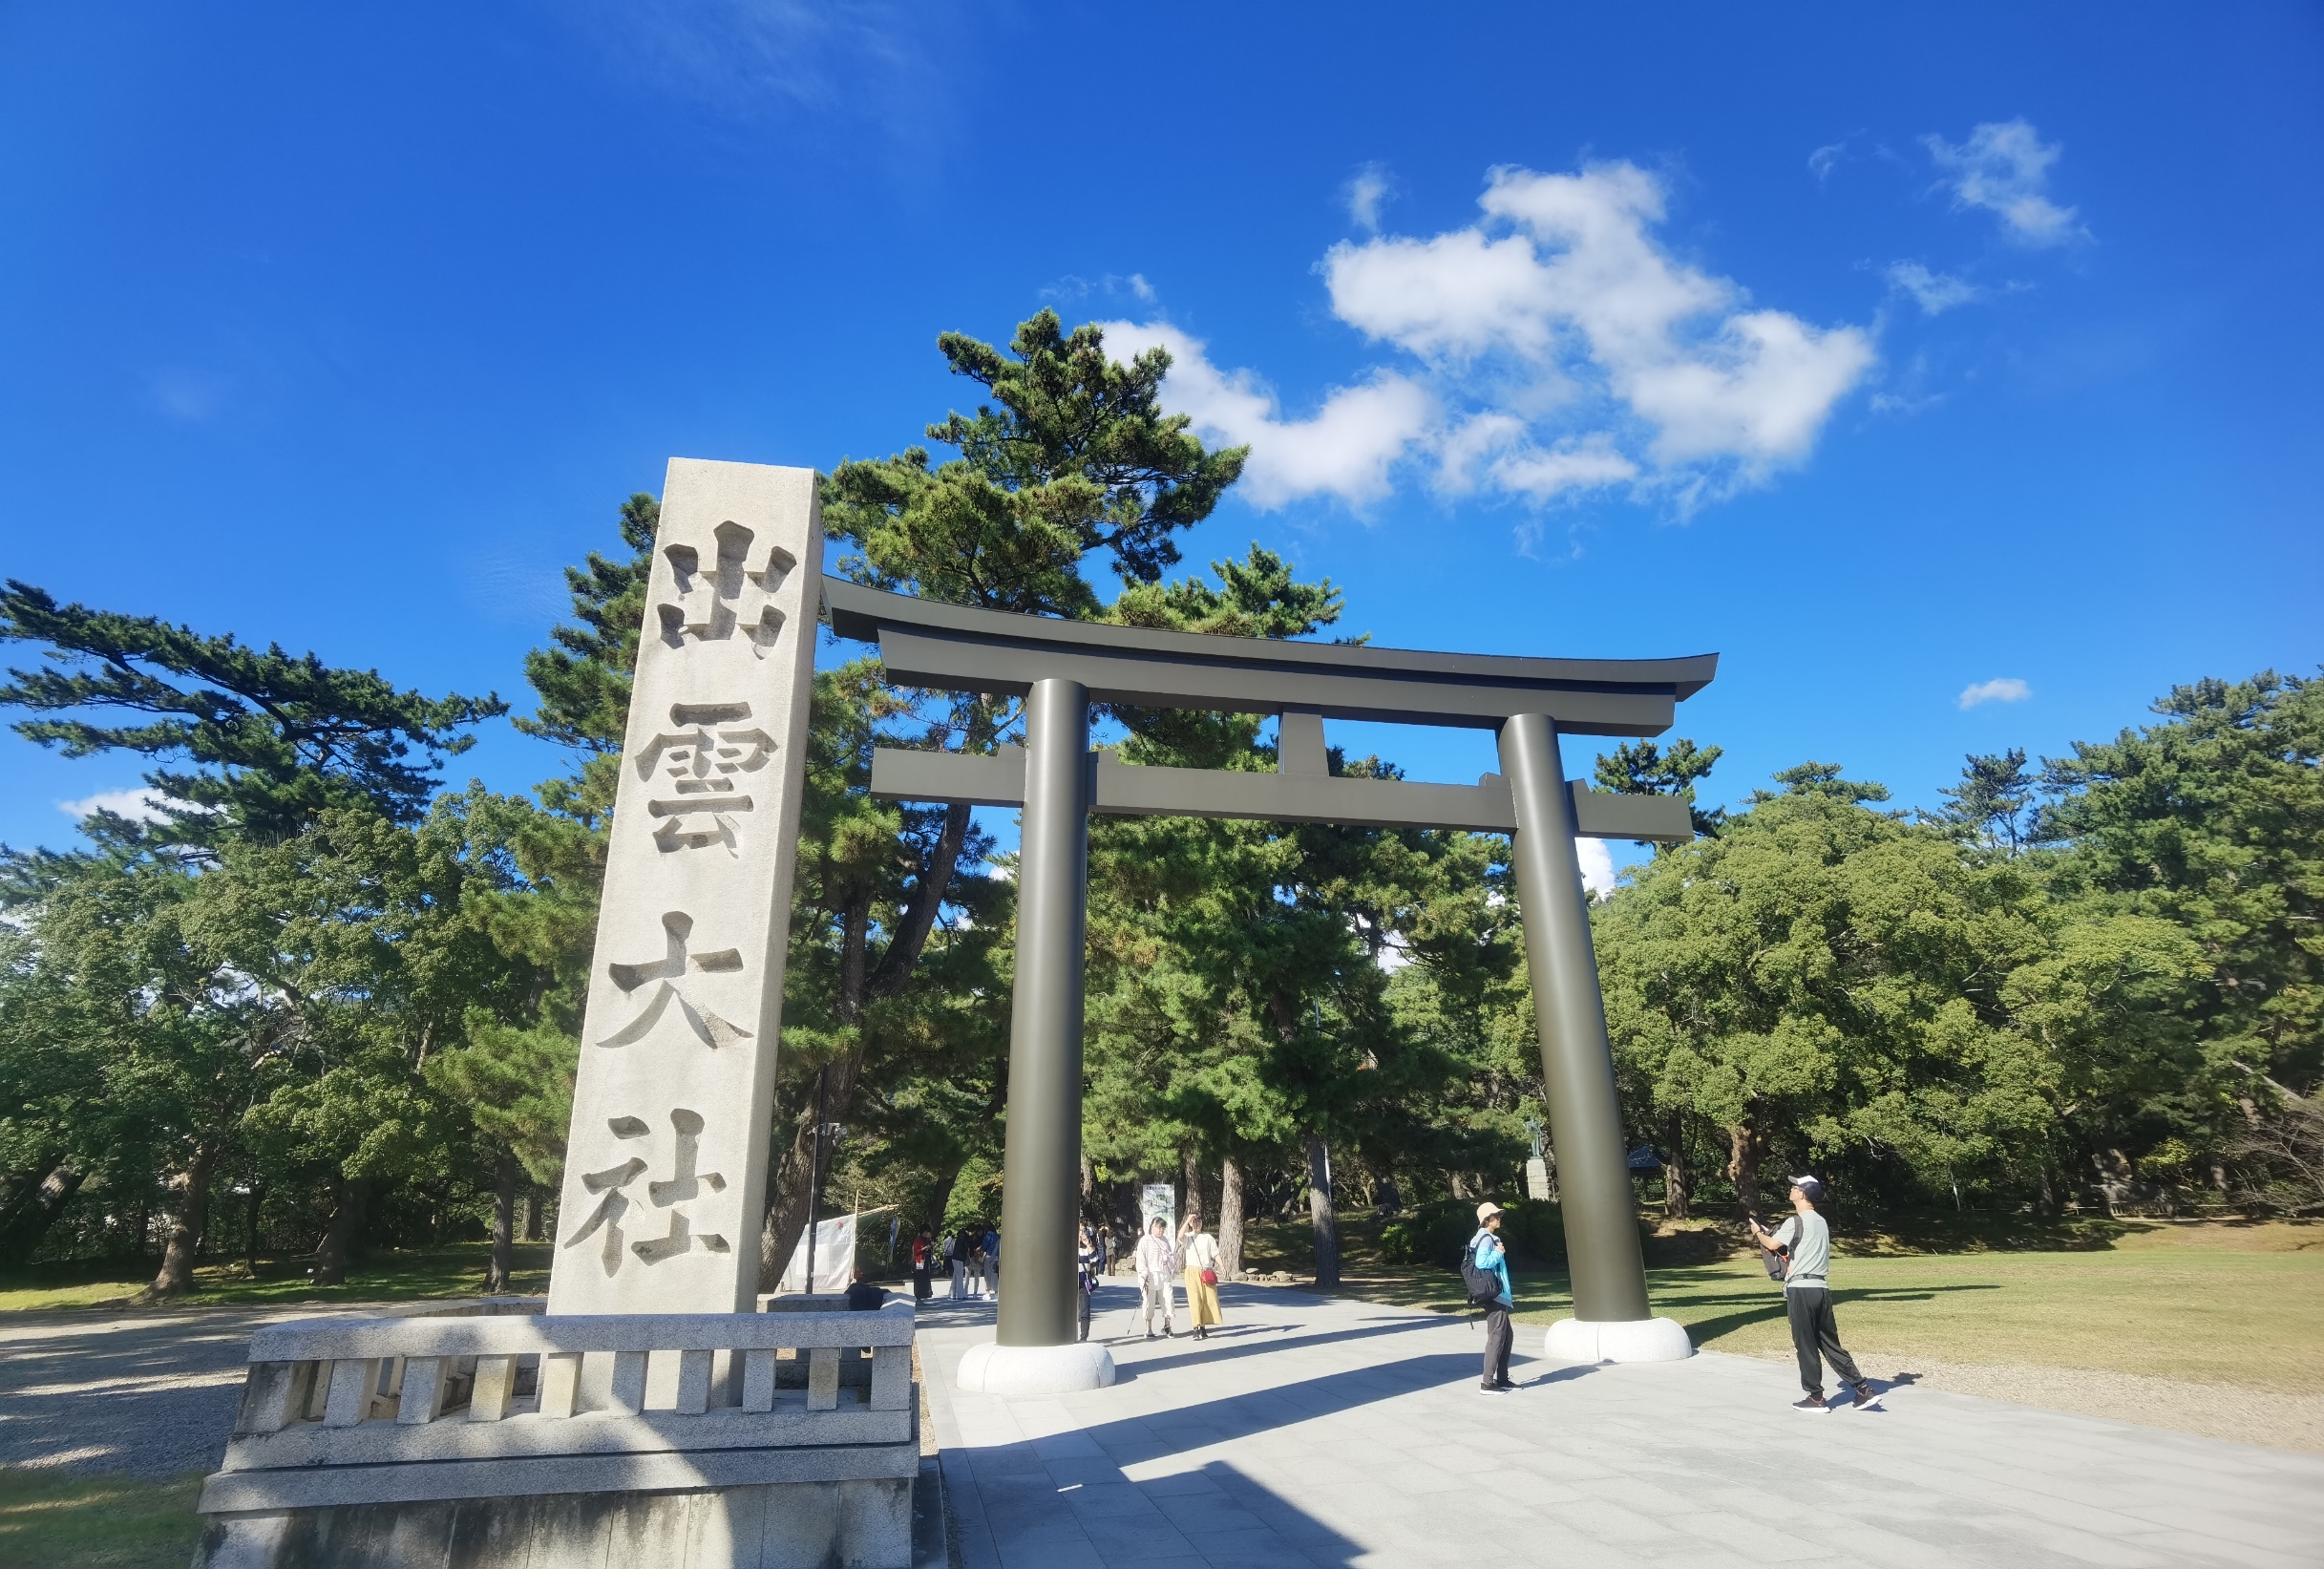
(653, 1415)
(666, 1170)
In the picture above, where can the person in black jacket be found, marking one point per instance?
(863, 1296)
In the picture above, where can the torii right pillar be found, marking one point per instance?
(1611, 1322)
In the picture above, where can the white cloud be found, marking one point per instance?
(2007, 689)
(1597, 866)
(1934, 293)
(1139, 287)
(1364, 191)
(1344, 449)
(2005, 167)
(137, 805)
(1563, 310)
(1555, 348)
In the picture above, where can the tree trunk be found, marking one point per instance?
(190, 1218)
(250, 1218)
(1193, 1164)
(1230, 1218)
(1320, 1211)
(1746, 1148)
(339, 1238)
(504, 1225)
(791, 1189)
(1675, 1194)
(532, 1206)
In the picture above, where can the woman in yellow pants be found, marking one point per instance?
(1198, 1252)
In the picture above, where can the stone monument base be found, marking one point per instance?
(1631, 1340)
(491, 1433)
(991, 1369)
(782, 1525)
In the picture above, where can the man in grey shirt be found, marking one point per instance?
(1806, 1241)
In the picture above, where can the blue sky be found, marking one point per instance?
(1890, 356)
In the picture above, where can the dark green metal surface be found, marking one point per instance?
(1593, 1191)
(1291, 795)
(1041, 1172)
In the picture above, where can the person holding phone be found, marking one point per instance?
(1805, 1242)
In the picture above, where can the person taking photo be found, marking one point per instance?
(1805, 1240)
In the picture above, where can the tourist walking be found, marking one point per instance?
(1089, 1258)
(1488, 1257)
(1805, 1240)
(992, 1263)
(1198, 1257)
(1105, 1244)
(921, 1260)
(1157, 1263)
(976, 1257)
(955, 1255)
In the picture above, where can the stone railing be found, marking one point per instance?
(496, 1399)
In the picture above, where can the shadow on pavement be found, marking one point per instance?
(1039, 1500)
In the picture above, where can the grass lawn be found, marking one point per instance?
(2203, 1301)
(456, 1269)
(96, 1522)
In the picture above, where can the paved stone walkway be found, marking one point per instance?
(1325, 1432)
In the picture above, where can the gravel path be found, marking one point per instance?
(2273, 1418)
(147, 1394)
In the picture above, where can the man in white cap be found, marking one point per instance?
(1489, 1258)
(1806, 1241)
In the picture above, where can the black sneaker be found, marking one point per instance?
(1494, 1388)
(1867, 1398)
(1813, 1405)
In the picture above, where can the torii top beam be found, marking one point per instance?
(953, 647)
(957, 649)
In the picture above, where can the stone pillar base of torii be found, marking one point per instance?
(1587, 1341)
(993, 1368)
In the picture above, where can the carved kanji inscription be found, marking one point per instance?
(686, 1183)
(701, 767)
(666, 978)
(708, 602)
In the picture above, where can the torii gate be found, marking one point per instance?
(1060, 668)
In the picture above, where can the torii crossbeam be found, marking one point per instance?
(1060, 668)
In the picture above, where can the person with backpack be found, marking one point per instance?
(1804, 1242)
(1485, 1270)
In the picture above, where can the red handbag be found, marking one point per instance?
(1210, 1277)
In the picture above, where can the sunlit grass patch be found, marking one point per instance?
(63, 1521)
(454, 1269)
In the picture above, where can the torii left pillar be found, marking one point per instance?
(1036, 1349)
